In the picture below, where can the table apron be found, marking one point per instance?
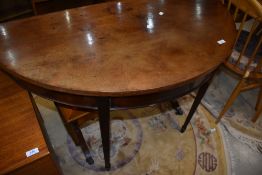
(116, 103)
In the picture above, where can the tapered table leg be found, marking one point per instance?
(76, 134)
(201, 92)
(104, 121)
(82, 143)
(44, 131)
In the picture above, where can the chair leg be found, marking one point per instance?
(258, 112)
(259, 102)
(231, 99)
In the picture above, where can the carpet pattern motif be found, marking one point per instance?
(146, 141)
(126, 140)
(242, 138)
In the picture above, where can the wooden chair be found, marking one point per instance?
(248, 68)
(75, 119)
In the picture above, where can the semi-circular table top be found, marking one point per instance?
(118, 48)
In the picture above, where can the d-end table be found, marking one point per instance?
(117, 55)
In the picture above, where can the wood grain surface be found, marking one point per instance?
(20, 131)
(118, 48)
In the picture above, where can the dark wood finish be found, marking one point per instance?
(82, 143)
(200, 94)
(89, 102)
(71, 114)
(73, 119)
(104, 123)
(42, 166)
(94, 50)
(118, 54)
(177, 107)
(14, 9)
(20, 131)
(44, 131)
(66, 114)
(33, 7)
(49, 6)
(70, 118)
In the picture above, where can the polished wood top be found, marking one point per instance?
(118, 48)
(19, 129)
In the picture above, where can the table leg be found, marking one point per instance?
(176, 107)
(82, 142)
(77, 136)
(200, 94)
(73, 134)
(68, 126)
(44, 131)
(104, 121)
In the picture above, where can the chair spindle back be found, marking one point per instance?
(244, 12)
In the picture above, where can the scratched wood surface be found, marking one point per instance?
(118, 48)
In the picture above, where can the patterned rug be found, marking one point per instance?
(144, 141)
(242, 138)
